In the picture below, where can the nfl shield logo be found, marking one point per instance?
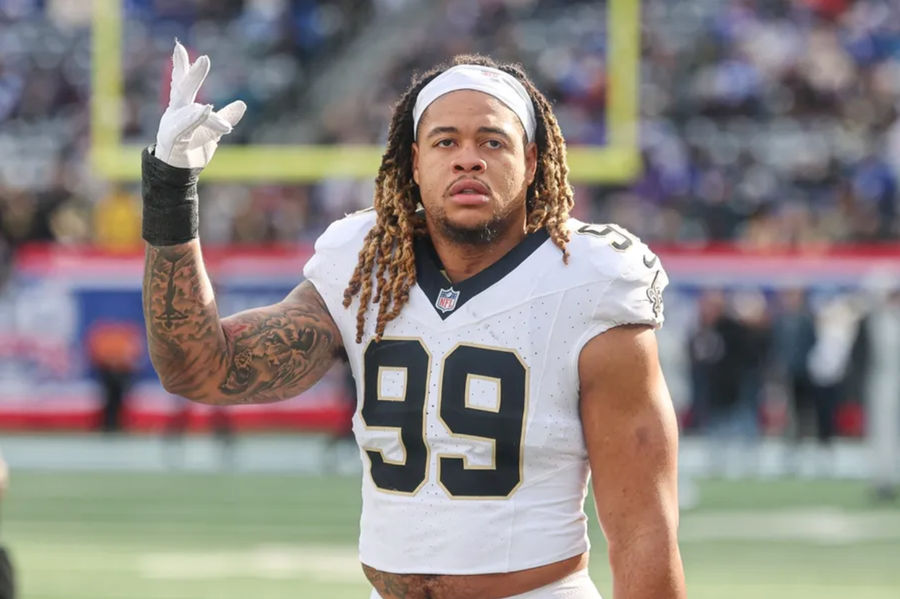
(446, 301)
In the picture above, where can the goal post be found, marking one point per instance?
(618, 161)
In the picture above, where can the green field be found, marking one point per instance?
(193, 536)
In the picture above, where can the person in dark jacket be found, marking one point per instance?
(795, 337)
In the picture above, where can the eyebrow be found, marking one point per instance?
(494, 130)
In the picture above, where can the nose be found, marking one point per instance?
(467, 160)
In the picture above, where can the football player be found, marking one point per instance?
(503, 352)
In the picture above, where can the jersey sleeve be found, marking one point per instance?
(335, 257)
(634, 297)
(630, 279)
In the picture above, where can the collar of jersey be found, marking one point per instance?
(432, 279)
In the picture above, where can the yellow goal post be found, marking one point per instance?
(618, 161)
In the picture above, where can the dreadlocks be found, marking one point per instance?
(388, 247)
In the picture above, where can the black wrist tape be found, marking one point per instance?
(171, 211)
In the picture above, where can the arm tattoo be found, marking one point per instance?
(276, 348)
(180, 315)
(260, 355)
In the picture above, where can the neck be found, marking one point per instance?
(462, 261)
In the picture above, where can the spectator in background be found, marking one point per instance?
(117, 221)
(706, 349)
(883, 385)
(794, 336)
(752, 313)
(7, 582)
(837, 322)
(722, 365)
(851, 414)
(718, 361)
(341, 440)
(114, 348)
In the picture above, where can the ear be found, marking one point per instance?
(530, 162)
(415, 162)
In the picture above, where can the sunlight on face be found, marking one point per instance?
(473, 166)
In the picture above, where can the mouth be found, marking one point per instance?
(469, 192)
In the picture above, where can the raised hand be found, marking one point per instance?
(189, 132)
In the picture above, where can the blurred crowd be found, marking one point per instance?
(764, 122)
(773, 122)
(778, 364)
(768, 124)
(266, 52)
(804, 366)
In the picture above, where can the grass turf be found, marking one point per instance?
(224, 536)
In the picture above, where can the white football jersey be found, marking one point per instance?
(468, 421)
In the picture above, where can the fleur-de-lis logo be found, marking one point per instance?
(654, 294)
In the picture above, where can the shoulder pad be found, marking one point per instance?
(634, 275)
(349, 230)
(336, 254)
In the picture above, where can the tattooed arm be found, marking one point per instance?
(260, 355)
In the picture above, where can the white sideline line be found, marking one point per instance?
(328, 563)
(812, 525)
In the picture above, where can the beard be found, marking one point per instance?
(479, 234)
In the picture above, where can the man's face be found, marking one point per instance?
(473, 167)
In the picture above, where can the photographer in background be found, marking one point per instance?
(7, 588)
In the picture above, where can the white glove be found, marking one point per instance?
(189, 132)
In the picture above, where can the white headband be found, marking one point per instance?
(495, 82)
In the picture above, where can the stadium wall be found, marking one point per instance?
(59, 296)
